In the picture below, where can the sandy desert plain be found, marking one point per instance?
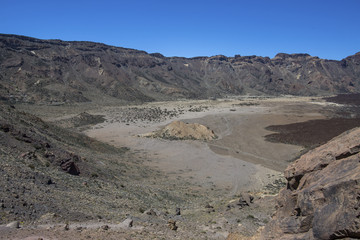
(238, 161)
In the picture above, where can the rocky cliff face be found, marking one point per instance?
(33, 70)
(322, 197)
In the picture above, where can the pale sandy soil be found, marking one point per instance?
(239, 160)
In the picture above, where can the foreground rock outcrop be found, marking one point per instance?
(322, 197)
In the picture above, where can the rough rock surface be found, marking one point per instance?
(58, 72)
(178, 130)
(322, 197)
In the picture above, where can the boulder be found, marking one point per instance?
(209, 208)
(69, 166)
(105, 227)
(150, 212)
(178, 211)
(14, 224)
(127, 223)
(172, 225)
(322, 196)
(245, 200)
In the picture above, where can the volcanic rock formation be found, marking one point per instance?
(54, 71)
(322, 197)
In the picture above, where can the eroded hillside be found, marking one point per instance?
(43, 71)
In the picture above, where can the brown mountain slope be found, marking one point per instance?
(33, 70)
(47, 171)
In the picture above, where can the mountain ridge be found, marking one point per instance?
(47, 71)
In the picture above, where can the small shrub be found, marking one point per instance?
(250, 216)
(94, 175)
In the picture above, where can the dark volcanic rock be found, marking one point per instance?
(311, 133)
(245, 200)
(57, 72)
(351, 99)
(70, 167)
(322, 197)
(172, 225)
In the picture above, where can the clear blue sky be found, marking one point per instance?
(325, 28)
